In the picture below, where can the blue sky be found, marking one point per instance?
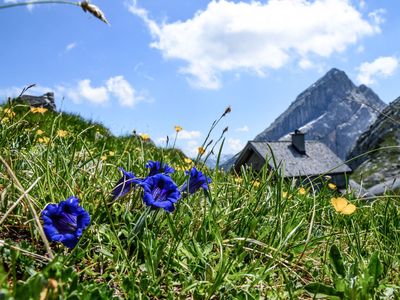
(178, 62)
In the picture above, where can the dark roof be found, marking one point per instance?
(319, 159)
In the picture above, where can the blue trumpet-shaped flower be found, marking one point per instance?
(124, 184)
(195, 181)
(65, 222)
(156, 168)
(160, 191)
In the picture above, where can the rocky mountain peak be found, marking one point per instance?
(369, 94)
(334, 78)
(332, 110)
(336, 75)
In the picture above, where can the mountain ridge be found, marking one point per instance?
(333, 110)
(330, 104)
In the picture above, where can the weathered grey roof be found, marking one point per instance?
(319, 159)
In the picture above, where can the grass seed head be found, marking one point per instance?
(94, 10)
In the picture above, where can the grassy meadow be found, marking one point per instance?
(253, 236)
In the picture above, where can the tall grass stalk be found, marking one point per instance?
(251, 236)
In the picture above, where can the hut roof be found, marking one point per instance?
(317, 160)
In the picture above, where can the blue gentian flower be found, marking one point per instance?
(125, 184)
(195, 181)
(156, 168)
(160, 191)
(65, 222)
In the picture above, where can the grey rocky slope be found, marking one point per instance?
(379, 169)
(333, 110)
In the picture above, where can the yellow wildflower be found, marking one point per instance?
(9, 112)
(256, 183)
(343, 206)
(40, 110)
(238, 180)
(39, 132)
(178, 128)
(187, 160)
(145, 136)
(332, 186)
(43, 140)
(286, 195)
(111, 153)
(62, 133)
(201, 150)
(103, 157)
(302, 191)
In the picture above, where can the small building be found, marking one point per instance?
(46, 100)
(298, 159)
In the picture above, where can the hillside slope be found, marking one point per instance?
(50, 130)
(380, 167)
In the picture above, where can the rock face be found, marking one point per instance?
(379, 170)
(46, 100)
(333, 110)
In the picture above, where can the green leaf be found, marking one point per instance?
(337, 261)
(322, 289)
(374, 269)
(354, 270)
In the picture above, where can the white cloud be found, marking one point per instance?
(97, 95)
(123, 91)
(115, 87)
(257, 36)
(191, 148)
(245, 128)
(70, 46)
(188, 135)
(234, 145)
(383, 66)
(305, 64)
(161, 141)
(377, 16)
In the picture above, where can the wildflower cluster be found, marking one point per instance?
(159, 190)
(40, 110)
(65, 222)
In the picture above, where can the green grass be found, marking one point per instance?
(248, 238)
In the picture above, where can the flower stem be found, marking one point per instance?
(39, 2)
(30, 206)
(140, 222)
